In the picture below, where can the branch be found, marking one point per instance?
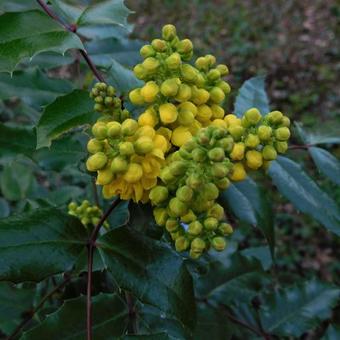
(72, 28)
(297, 147)
(38, 307)
(91, 245)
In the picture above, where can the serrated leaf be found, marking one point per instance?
(250, 205)
(26, 34)
(38, 244)
(237, 279)
(295, 310)
(332, 333)
(16, 140)
(63, 152)
(69, 322)
(122, 78)
(65, 113)
(326, 163)
(16, 180)
(151, 271)
(109, 12)
(33, 87)
(261, 253)
(17, 5)
(68, 11)
(252, 94)
(304, 193)
(15, 302)
(120, 216)
(64, 194)
(327, 133)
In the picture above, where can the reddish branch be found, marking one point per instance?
(72, 28)
(38, 307)
(91, 245)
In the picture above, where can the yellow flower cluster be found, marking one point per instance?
(88, 214)
(179, 98)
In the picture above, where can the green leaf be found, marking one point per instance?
(32, 86)
(112, 12)
(18, 5)
(69, 322)
(65, 113)
(16, 140)
(26, 34)
(326, 133)
(261, 253)
(122, 78)
(332, 333)
(4, 208)
(155, 336)
(295, 310)
(151, 271)
(16, 181)
(304, 193)
(15, 302)
(250, 205)
(252, 94)
(68, 11)
(38, 244)
(63, 152)
(326, 163)
(65, 194)
(120, 216)
(237, 278)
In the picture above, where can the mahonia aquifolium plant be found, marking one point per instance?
(183, 150)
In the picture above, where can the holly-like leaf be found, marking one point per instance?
(38, 244)
(16, 140)
(26, 34)
(65, 113)
(304, 193)
(18, 5)
(295, 310)
(327, 133)
(252, 94)
(155, 336)
(69, 322)
(332, 333)
(33, 87)
(326, 163)
(249, 203)
(151, 271)
(112, 12)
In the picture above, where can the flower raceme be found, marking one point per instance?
(183, 149)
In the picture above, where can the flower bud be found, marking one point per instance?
(189, 217)
(218, 243)
(185, 117)
(222, 183)
(253, 116)
(254, 159)
(219, 170)
(180, 136)
(168, 32)
(171, 225)
(177, 207)
(184, 93)
(236, 131)
(281, 147)
(147, 119)
(237, 153)
(160, 215)
(195, 228)
(210, 223)
(210, 191)
(96, 161)
(181, 244)
(94, 146)
(194, 181)
(232, 120)
(173, 62)
(202, 64)
(237, 172)
(149, 91)
(126, 149)
(282, 133)
(143, 145)
(225, 228)
(139, 71)
(223, 69)
(119, 164)
(275, 117)
(158, 194)
(224, 86)
(129, 127)
(226, 144)
(214, 74)
(264, 132)
(269, 153)
(184, 46)
(216, 211)
(169, 87)
(72, 206)
(217, 111)
(135, 97)
(200, 96)
(166, 175)
(188, 106)
(150, 64)
(211, 59)
(178, 168)
(197, 245)
(184, 193)
(252, 141)
(158, 45)
(216, 154)
(113, 129)
(133, 173)
(105, 176)
(204, 113)
(147, 51)
(188, 72)
(99, 130)
(199, 155)
(168, 113)
(217, 95)
(285, 121)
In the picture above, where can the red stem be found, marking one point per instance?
(72, 28)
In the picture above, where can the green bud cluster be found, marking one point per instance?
(107, 103)
(88, 214)
(185, 200)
